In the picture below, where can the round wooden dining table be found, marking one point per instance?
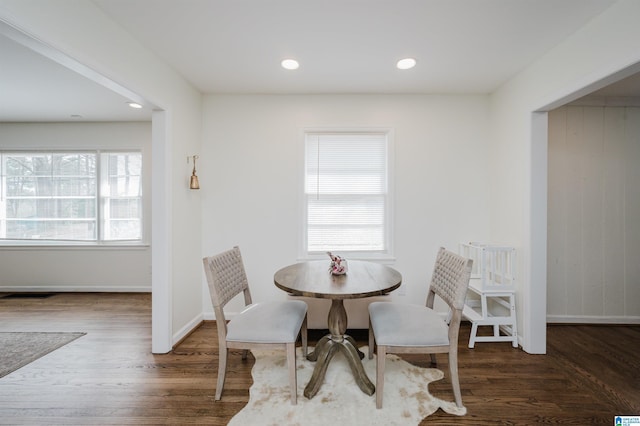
(314, 279)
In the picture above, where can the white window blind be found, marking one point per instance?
(346, 191)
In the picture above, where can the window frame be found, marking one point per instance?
(104, 199)
(386, 255)
(100, 200)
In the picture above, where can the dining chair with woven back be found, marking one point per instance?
(266, 325)
(401, 328)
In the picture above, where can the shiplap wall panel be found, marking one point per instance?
(591, 175)
(632, 210)
(573, 200)
(557, 215)
(594, 214)
(613, 202)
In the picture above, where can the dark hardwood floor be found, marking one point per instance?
(109, 376)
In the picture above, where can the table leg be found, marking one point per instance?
(354, 357)
(323, 357)
(320, 347)
(355, 345)
(326, 349)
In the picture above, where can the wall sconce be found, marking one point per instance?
(193, 183)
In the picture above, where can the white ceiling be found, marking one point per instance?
(36, 88)
(344, 46)
(350, 46)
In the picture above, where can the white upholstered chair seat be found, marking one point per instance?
(268, 322)
(407, 325)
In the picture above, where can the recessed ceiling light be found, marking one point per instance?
(134, 105)
(406, 63)
(290, 64)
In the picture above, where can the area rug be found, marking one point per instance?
(340, 401)
(19, 349)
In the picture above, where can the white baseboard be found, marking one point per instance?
(75, 289)
(187, 329)
(588, 319)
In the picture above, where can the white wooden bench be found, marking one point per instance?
(492, 293)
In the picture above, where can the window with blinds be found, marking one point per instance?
(346, 190)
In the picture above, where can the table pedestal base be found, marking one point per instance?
(327, 347)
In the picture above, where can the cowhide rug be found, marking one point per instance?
(340, 401)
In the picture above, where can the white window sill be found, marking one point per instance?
(380, 258)
(70, 245)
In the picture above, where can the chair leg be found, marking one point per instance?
(472, 335)
(514, 322)
(303, 337)
(434, 363)
(293, 382)
(372, 340)
(455, 383)
(222, 369)
(380, 361)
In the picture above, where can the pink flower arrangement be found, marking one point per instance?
(338, 265)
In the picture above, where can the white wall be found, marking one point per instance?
(516, 154)
(594, 206)
(87, 268)
(251, 171)
(585, 61)
(82, 32)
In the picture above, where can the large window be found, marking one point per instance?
(71, 196)
(346, 191)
